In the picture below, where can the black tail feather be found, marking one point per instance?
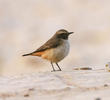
(27, 54)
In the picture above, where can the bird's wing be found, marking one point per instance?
(52, 43)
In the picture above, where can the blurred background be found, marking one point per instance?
(27, 24)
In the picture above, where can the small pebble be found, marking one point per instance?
(108, 66)
(83, 68)
(98, 99)
(105, 85)
(31, 89)
(26, 95)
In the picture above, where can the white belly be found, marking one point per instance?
(57, 54)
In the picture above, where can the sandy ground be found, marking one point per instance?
(66, 85)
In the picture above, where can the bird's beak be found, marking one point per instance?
(70, 33)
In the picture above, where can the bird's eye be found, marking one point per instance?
(63, 36)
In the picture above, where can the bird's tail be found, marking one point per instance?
(27, 54)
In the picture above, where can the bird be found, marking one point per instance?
(55, 49)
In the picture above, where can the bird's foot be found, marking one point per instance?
(56, 70)
(53, 70)
(59, 70)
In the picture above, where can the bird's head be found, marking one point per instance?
(63, 34)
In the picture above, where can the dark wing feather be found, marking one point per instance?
(52, 43)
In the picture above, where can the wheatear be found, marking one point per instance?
(55, 49)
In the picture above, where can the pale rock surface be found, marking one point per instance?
(66, 85)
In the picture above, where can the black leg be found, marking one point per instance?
(52, 67)
(58, 66)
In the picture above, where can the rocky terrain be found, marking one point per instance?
(66, 85)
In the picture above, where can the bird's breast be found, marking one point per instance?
(63, 49)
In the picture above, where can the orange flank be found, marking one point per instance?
(38, 53)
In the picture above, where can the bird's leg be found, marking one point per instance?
(53, 67)
(58, 67)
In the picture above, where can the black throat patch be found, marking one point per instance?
(63, 36)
